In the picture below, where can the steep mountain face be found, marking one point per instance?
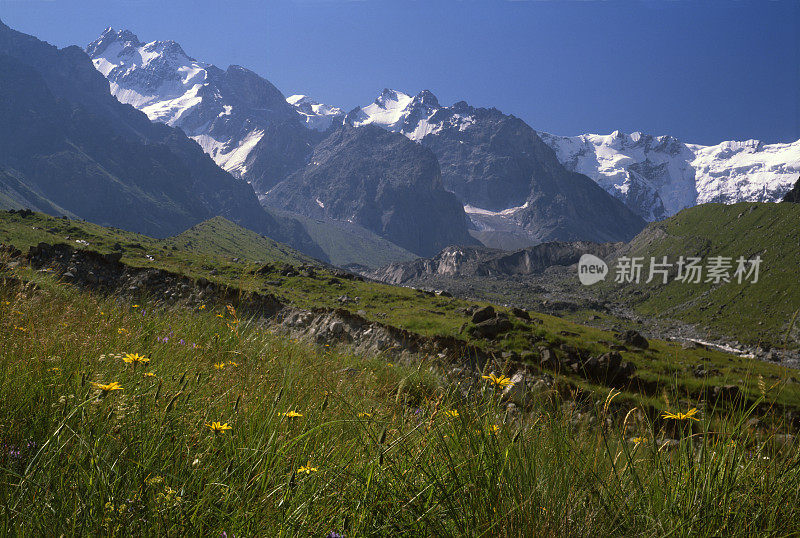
(381, 181)
(508, 179)
(793, 196)
(484, 262)
(658, 176)
(68, 147)
(240, 119)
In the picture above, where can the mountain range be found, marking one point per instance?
(505, 177)
(657, 176)
(403, 176)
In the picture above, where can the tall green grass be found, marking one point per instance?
(380, 449)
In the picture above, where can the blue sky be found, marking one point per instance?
(701, 71)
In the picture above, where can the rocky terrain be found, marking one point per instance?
(381, 181)
(508, 179)
(753, 319)
(470, 262)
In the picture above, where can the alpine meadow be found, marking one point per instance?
(227, 310)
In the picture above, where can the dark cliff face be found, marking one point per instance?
(498, 161)
(495, 162)
(379, 180)
(68, 146)
(793, 196)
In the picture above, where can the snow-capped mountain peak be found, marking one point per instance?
(657, 176)
(318, 116)
(415, 117)
(228, 112)
(388, 110)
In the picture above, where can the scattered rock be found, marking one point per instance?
(483, 314)
(490, 328)
(634, 338)
(521, 314)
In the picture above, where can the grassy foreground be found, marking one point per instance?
(322, 443)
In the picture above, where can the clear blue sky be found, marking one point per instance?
(701, 71)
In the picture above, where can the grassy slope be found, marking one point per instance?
(221, 237)
(345, 244)
(378, 449)
(752, 313)
(665, 362)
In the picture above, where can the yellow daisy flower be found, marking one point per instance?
(218, 427)
(498, 381)
(688, 415)
(135, 358)
(109, 387)
(307, 469)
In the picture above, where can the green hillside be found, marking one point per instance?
(221, 237)
(211, 244)
(752, 313)
(230, 260)
(345, 244)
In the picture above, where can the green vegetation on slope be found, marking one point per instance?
(345, 244)
(752, 313)
(318, 441)
(664, 364)
(221, 237)
(210, 244)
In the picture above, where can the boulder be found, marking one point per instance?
(521, 314)
(548, 358)
(634, 338)
(483, 314)
(491, 328)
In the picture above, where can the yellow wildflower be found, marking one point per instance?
(451, 413)
(20, 329)
(291, 414)
(688, 415)
(201, 307)
(135, 306)
(218, 427)
(110, 387)
(154, 481)
(498, 381)
(231, 363)
(364, 415)
(219, 365)
(493, 429)
(639, 440)
(122, 330)
(307, 468)
(135, 358)
(149, 374)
